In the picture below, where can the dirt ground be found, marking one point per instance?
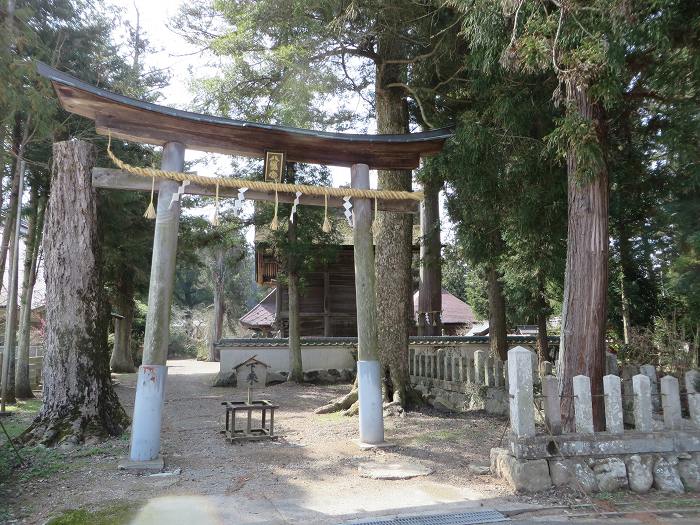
(310, 474)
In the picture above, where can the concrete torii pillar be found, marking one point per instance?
(368, 370)
(150, 385)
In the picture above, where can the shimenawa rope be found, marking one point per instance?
(386, 195)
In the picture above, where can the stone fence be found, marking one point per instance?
(461, 373)
(440, 366)
(662, 451)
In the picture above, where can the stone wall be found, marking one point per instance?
(324, 360)
(659, 447)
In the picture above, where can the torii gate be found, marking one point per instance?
(175, 130)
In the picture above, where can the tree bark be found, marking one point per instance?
(18, 149)
(393, 238)
(542, 310)
(296, 368)
(78, 400)
(498, 342)
(430, 288)
(625, 275)
(219, 307)
(122, 360)
(23, 389)
(11, 310)
(586, 280)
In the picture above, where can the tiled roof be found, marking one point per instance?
(263, 313)
(454, 310)
(440, 340)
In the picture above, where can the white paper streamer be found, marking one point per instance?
(180, 192)
(294, 206)
(238, 203)
(348, 210)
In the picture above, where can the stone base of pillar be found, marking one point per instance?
(148, 407)
(153, 465)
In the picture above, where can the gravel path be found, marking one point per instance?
(312, 468)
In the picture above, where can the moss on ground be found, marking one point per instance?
(332, 416)
(117, 513)
(439, 435)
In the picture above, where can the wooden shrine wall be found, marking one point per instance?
(327, 299)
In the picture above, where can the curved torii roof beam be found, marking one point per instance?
(134, 120)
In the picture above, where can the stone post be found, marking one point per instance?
(488, 371)
(471, 370)
(150, 384)
(671, 402)
(552, 406)
(612, 388)
(650, 372)
(628, 372)
(455, 365)
(440, 361)
(498, 372)
(692, 381)
(522, 408)
(368, 370)
(479, 366)
(583, 405)
(546, 369)
(611, 366)
(641, 384)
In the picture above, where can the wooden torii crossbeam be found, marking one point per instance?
(175, 130)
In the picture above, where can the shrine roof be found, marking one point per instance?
(138, 121)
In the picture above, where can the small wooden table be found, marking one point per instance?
(248, 433)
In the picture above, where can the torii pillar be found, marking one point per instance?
(368, 370)
(150, 385)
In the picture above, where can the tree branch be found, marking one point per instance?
(415, 97)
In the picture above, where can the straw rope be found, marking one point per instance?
(385, 195)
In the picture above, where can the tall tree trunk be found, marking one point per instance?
(218, 310)
(23, 389)
(393, 238)
(18, 150)
(122, 360)
(542, 310)
(4, 109)
(498, 332)
(78, 398)
(625, 277)
(584, 311)
(430, 288)
(3, 160)
(8, 391)
(296, 367)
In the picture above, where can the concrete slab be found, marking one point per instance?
(394, 470)
(154, 465)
